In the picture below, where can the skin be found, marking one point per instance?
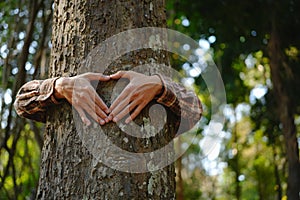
(82, 96)
(135, 96)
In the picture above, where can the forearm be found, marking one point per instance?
(182, 102)
(34, 98)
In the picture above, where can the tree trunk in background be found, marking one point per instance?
(236, 161)
(286, 115)
(179, 185)
(68, 170)
(277, 175)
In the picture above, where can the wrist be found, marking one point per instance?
(158, 85)
(58, 88)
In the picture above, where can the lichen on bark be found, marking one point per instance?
(68, 169)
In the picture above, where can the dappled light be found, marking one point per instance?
(248, 158)
(255, 46)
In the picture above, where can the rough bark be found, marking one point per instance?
(68, 169)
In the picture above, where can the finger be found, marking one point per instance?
(117, 75)
(82, 115)
(94, 109)
(127, 109)
(102, 117)
(96, 76)
(121, 74)
(135, 113)
(120, 104)
(125, 96)
(117, 103)
(93, 99)
(118, 108)
(100, 103)
(86, 101)
(92, 113)
(124, 112)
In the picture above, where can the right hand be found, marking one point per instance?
(79, 92)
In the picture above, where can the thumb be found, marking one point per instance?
(119, 74)
(96, 76)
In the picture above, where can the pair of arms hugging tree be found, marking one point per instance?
(35, 97)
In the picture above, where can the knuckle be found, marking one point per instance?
(98, 110)
(134, 95)
(85, 88)
(78, 95)
(130, 88)
(75, 101)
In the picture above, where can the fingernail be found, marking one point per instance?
(88, 123)
(115, 119)
(102, 122)
(127, 121)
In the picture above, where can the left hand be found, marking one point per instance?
(140, 90)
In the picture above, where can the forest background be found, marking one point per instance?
(255, 45)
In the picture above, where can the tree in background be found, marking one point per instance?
(24, 37)
(258, 35)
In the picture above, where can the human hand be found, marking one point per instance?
(140, 90)
(79, 92)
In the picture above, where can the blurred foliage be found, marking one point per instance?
(24, 53)
(252, 159)
(249, 160)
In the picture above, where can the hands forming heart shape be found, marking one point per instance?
(140, 90)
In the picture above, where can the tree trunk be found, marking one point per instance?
(285, 112)
(68, 168)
